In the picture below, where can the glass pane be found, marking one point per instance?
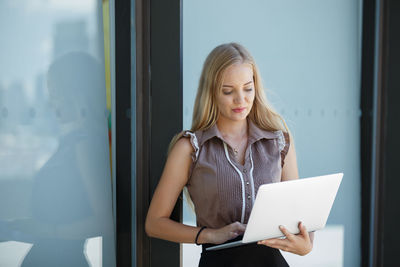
(55, 178)
(309, 56)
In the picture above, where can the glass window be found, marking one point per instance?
(55, 179)
(309, 56)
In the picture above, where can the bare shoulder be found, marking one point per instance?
(182, 150)
(182, 146)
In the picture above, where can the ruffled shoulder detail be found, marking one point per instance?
(283, 144)
(194, 142)
(281, 140)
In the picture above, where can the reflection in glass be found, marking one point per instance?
(13, 253)
(93, 251)
(55, 184)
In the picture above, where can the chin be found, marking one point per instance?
(239, 117)
(234, 116)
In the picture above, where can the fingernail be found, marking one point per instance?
(281, 227)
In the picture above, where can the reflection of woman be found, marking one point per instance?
(71, 192)
(236, 144)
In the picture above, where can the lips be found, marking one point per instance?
(238, 110)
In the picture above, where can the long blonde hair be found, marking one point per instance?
(206, 113)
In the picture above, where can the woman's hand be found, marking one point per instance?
(299, 244)
(221, 235)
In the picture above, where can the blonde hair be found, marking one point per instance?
(206, 113)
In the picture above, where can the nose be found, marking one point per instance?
(239, 98)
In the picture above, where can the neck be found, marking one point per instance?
(231, 128)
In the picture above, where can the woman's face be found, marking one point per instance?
(236, 97)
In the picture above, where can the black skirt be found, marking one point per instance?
(251, 255)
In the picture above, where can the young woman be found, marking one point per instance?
(237, 143)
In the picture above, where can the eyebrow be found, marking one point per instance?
(231, 86)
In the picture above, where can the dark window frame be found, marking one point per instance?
(143, 127)
(380, 179)
(123, 134)
(367, 110)
(158, 78)
(386, 214)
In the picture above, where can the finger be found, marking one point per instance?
(264, 242)
(278, 244)
(235, 229)
(237, 226)
(233, 235)
(242, 227)
(303, 230)
(288, 234)
(239, 232)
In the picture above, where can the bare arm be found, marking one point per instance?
(173, 179)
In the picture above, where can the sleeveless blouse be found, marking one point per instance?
(222, 190)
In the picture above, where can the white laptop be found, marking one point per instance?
(308, 200)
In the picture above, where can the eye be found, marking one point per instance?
(226, 92)
(248, 89)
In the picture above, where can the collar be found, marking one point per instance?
(255, 133)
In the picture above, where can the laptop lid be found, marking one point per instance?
(308, 200)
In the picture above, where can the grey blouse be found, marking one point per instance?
(222, 190)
